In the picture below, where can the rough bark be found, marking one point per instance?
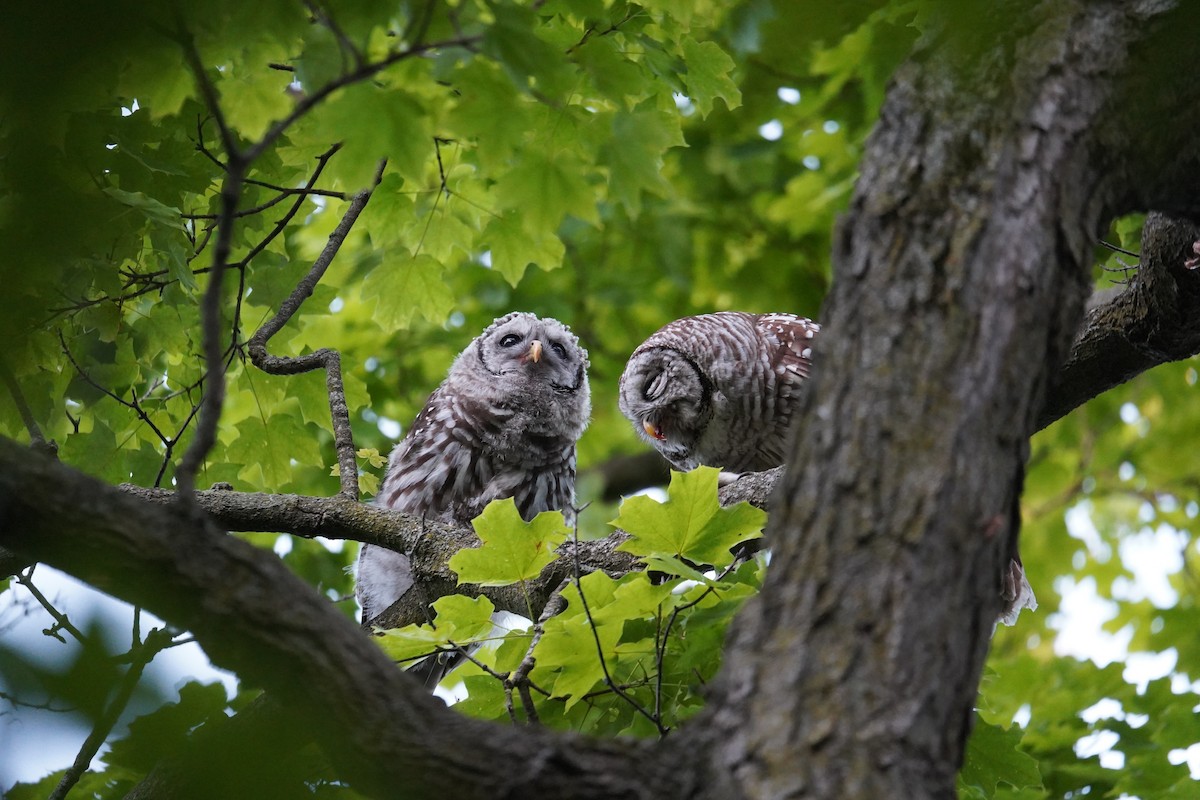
(428, 544)
(1156, 319)
(382, 731)
(961, 271)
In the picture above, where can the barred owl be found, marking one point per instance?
(719, 389)
(502, 424)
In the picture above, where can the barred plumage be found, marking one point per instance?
(719, 389)
(503, 424)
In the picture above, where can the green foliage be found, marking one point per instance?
(513, 550)
(993, 758)
(628, 655)
(690, 525)
(600, 161)
(459, 622)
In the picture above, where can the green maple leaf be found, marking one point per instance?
(404, 286)
(992, 758)
(690, 524)
(546, 186)
(635, 156)
(514, 248)
(708, 75)
(460, 620)
(513, 550)
(567, 656)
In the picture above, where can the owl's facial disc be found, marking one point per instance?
(666, 397)
(521, 352)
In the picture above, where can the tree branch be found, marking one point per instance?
(36, 439)
(142, 655)
(428, 544)
(383, 734)
(210, 306)
(1154, 321)
(329, 360)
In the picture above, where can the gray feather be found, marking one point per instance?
(719, 389)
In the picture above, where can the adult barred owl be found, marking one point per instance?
(719, 389)
(502, 424)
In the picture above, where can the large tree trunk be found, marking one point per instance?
(961, 273)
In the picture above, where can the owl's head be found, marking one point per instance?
(522, 346)
(667, 397)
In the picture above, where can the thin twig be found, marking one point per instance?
(155, 641)
(135, 405)
(276, 230)
(307, 190)
(282, 222)
(465, 652)
(634, 11)
(608, 681)
(322, 16)
(418, 26)
(25, 578)
(17, 702)
(274, 201)
(362, 73)
(1117, 249)
(210, 306)
(327, 358)
(519, 678)
(36, 440)
(198, 248)
(211, 100)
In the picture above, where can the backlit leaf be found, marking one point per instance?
(512, 549)
(690, 524)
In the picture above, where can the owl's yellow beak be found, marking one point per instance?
(535, 351)
(653, 430)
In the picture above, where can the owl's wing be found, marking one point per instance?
(789, 341)
(437, 468)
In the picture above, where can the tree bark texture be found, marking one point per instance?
(961, 271)
(383, 732)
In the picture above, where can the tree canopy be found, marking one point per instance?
(245, 240)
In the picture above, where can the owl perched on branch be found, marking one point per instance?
(503, 424)
(719, 389)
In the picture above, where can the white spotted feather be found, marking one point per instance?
(719, 389)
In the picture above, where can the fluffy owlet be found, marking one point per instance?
(503, 424)
(719, 389)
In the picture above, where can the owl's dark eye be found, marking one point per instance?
(509, 340)
(558, 349)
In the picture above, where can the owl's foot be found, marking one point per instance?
(725, 478)
(1017, 593)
